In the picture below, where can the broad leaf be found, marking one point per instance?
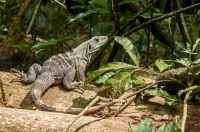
(107, 67)
(145, 125)
(161, 93)
(82, 15)
(184, 61)
(3, 1)
(40, 45)
(2, 36)
(162, 65)
(25, 47)
(104, 3)
(130, 48)
(169, 128)
(116, 85)
(101, 28)
(193, 88)
(103, 78)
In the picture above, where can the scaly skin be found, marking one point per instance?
(61, 68)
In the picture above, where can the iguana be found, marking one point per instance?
(68, 68)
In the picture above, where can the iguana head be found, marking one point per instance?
(86, 49)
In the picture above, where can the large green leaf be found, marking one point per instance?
(40, 45)
(194, 88)
(161, 93)
(103, 78)
(107, 67)
(104, 3)
(82, 15)
(2, 36)
(145, 125)
(169, 128)
(130, 48)
(116, 85)
(101, 28)
(3, 1)
(25, 47)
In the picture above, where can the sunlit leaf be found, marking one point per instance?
(194, 88)
(2, 36)
(138, 80)
(162, 65)
(171, 127)
(103, 78)
(116, 85)
(184, 61)
(82, 15)
(41, 45)
(3, 1)
(145, 125)
(161, 93)
(107, 67)
(130, 48)
(195, 45)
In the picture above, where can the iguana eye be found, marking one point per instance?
(96, 39)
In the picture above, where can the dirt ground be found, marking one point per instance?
(151, 107)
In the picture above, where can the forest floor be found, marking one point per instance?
(151, 107)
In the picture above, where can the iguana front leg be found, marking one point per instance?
(31, 75)
(68, 80)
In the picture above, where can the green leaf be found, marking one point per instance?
(101, 28)
(40, 45)
(103, 78)
(170, 127)
(25, 47)
(116, 85)
(195, 45)
(131, 128)
(41, 20)
(3, 1)
(82, 15)
(184, 61)
(104, 3)
(161, 93)
(2, 36)
(139, 80)
(145, 125)
(193, 88)
(107, 67)
(130, 48)
(128, 1)
(162, 65)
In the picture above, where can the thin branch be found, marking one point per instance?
(23, 7)
(185, 110)
(161, 18)
(33, 17)
(58, 2)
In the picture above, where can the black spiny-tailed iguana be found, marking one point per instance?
(61, 68)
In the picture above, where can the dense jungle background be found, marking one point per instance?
(151, 43)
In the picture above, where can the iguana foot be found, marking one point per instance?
(75, 85)
(21, 78)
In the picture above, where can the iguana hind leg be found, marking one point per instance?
(31, 75)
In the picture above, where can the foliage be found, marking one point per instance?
(146, 125)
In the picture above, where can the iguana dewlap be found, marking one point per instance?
(61, 68)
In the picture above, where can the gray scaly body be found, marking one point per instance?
(68, 69)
